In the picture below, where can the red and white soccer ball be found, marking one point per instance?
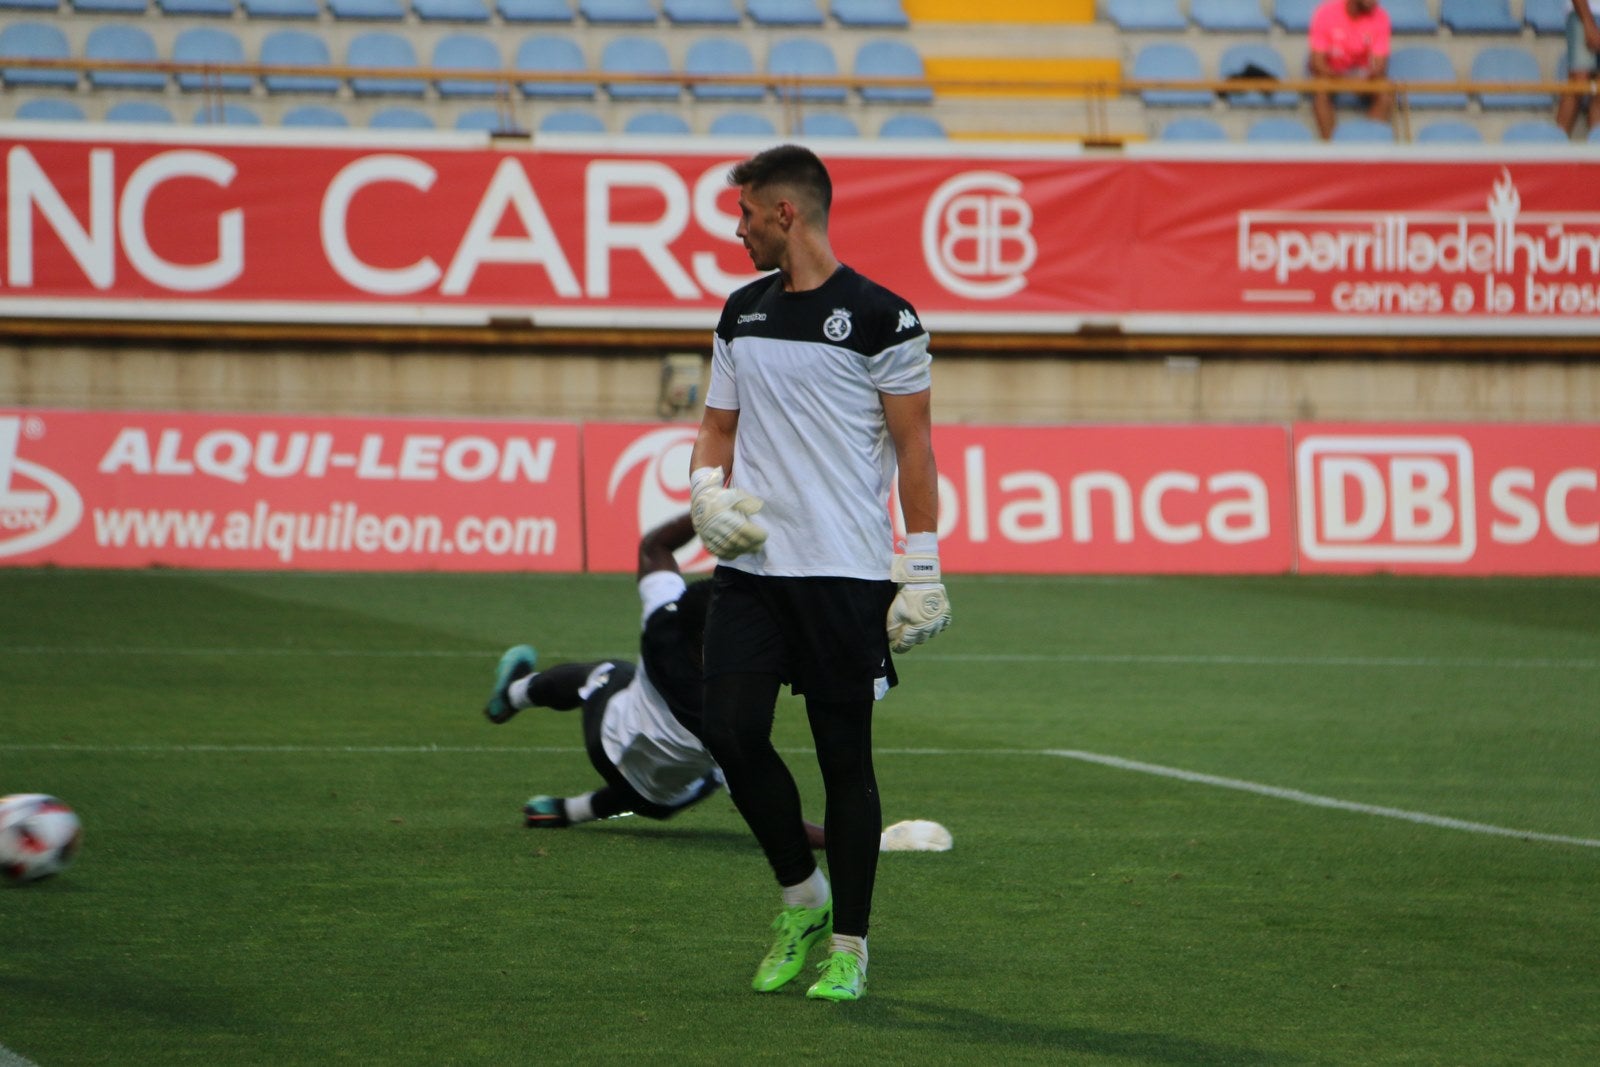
(39, 836)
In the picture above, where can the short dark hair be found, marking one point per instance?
(787, 164)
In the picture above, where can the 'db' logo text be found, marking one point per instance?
(38, 507)
(1380, 499)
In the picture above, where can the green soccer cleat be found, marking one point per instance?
(798, 929)
(516, 663)
(545, 813)
(842, 978)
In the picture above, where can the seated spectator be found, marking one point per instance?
(1349, 39)
(1583, 57)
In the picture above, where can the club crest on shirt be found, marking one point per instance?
(837, 328)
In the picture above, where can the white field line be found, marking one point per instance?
(1175, 659)
(1295, 796)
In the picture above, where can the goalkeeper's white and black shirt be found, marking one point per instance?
(804, 371)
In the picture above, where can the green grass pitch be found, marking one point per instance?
(303, 842)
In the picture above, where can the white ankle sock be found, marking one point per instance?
(517, 693)
(811, 893)
(580, 809)
(857, 946)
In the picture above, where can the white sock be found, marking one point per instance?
(518, 692)
(580, 809)
(856, 946)
(811, 893)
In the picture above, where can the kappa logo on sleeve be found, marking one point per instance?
(907, 321)
(38, 507)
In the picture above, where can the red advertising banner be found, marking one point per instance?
(264, 226)
(1448, 499)
(271, 492)
(1036, 500)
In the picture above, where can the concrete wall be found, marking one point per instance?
(195, 376)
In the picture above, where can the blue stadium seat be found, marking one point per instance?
(367, 10)
(870, 14)
(1410, 16)
(804, 57)
(1193, 128)
(210, 46)
(226, 115)
(637, 55)
(109, 7)
(1165, 61)
(570, 121)
(1547, 18)
(547, 53)
(401, 118)
(1449, 131)
(1229, 16)
(551, 11)
(1359, 129)
(451, 10)
(1252, 59)
(384, 51)
(657, 122)
(725, 56)
(742, 124)
(1534, 131)
(34, 40)
(784, 12)
(280, 9)
(701, 12)
(296, 48)
(618, 12)
(1594, 135)
(1478, 16)
(1295, 15)
(891, 59)
(215, 8)
(1504, 64)
(913, 126)
(124, 43)
(1279, 129)
(316, 116)
(49, 109)
(1426, 63)
(1145, 16)
(490, 120)
(28, 5)
(142, 111)
(464, 51)
(826, 124)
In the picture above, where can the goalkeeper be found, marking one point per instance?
(820, 388)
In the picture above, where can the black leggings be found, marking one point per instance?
(739, 713)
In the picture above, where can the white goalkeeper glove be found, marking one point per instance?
(721, 516)
(920, 608)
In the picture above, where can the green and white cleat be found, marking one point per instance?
(798, 929)
(545, 813)
(517, 663)
(842, 978)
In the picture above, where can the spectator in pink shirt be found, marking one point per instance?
(1349, 39)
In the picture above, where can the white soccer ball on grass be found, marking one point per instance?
(39, 836)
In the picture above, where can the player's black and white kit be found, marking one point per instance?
(641, 724)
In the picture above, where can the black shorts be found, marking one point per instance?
(826, 637)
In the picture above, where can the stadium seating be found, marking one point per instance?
(784, 12)
(367, 10)
(725, 56)
(117, 41)
(210, 45)
(451, 10)
(1279, 129)
(382, 50)
(273, 9)
(544, 53)
(912, 126)
(108, 7)
(229, 114)
(550, 11)
(637, 55)
(138, 111)
(870, 14)
(489, 120)
(1426, 63)
(401, 118)
(316, 116)
(891, 59)
(569, 121)
(1449, 131)
(1146, 16)
(1506, 64)
(297, 48)
(827, 124)
(701, 12)
(28, 5)
(1228, 16)
(656, 122)
(1546, 17)
(50, 109)
(1478, 16)
(1295, 15)
(1358, 129)
(618, 12)
(1534, 131)
(1256, 60)
(1594, 135)
(467, 52)
(34, 40)
(741, 124)
(214, 8)
(804, 57)
(1165, 61)
(1410, 16)
(1193, 128)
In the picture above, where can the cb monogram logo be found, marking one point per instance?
(977, 235)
